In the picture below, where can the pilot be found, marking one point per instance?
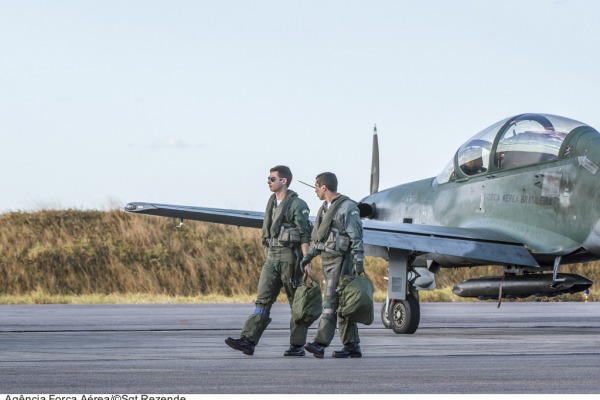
(286, 235)
(338, 237)
(474, 165)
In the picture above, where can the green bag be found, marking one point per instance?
(308, 303)
(356, 299)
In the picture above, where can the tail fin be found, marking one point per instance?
(375, 163)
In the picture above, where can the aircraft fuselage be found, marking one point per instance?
(551, 207)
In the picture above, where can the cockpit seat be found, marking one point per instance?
(516, 159)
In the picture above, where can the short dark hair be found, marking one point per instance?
(284, 172)
(328, 179)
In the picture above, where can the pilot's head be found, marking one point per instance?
(475, 163)
(283, 172)
(471, 161)
(324, 183)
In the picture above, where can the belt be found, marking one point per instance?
(274, 242)
(321, 248)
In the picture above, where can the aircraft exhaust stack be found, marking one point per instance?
(521, 286)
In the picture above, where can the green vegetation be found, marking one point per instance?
(73, 256)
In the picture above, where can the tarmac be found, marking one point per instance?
(521, 347)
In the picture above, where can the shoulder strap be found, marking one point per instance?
(321, 229)
(272, 223)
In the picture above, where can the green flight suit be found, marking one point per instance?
(341, 248)
(281, 268)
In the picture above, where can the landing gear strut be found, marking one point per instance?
(385, 314)
(401, 311)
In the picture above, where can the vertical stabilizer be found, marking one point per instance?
(375, 163)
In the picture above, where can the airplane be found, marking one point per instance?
(522, 193)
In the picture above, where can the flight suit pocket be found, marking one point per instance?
(331, 242)
(338, 242)
(288, 235)
(343, 243)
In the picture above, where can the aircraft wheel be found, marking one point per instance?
(385, 312)
(405, 315)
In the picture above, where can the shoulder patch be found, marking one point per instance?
(355, 212)
(305, 211)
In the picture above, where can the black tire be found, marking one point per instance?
(405, 315)
(385, 319)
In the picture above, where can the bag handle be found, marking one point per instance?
(305, 278)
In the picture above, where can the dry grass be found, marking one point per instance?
(73, 256)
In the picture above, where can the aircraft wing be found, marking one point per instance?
(478, 244)
(252, 219)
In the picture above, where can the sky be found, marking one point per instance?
(192, 102)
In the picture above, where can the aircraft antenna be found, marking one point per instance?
(375, 163)
(304, 183)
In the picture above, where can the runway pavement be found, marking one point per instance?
(459, 348)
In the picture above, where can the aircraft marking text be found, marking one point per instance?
(515, 198)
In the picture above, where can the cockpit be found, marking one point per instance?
(514, 142)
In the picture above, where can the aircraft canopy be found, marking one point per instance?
(514, 142)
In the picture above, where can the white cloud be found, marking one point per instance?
(170, 143)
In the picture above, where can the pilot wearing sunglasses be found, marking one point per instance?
(286, 235)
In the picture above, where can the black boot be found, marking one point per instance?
(318, 349)
(242, 344)
(350, 350)
(295, 350)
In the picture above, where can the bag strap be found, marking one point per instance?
(305, 278)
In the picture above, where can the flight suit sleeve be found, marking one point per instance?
(300, 214)
(354, 229)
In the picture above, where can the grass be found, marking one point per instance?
(40, 297)
(89, 257)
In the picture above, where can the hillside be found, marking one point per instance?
(71, 252)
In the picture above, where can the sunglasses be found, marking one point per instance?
(272, 179)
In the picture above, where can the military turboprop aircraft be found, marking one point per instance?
(522, 193)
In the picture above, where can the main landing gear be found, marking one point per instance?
(402, 316)
(401, 311)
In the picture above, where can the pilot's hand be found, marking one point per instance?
(305, 261)
(307, 269)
